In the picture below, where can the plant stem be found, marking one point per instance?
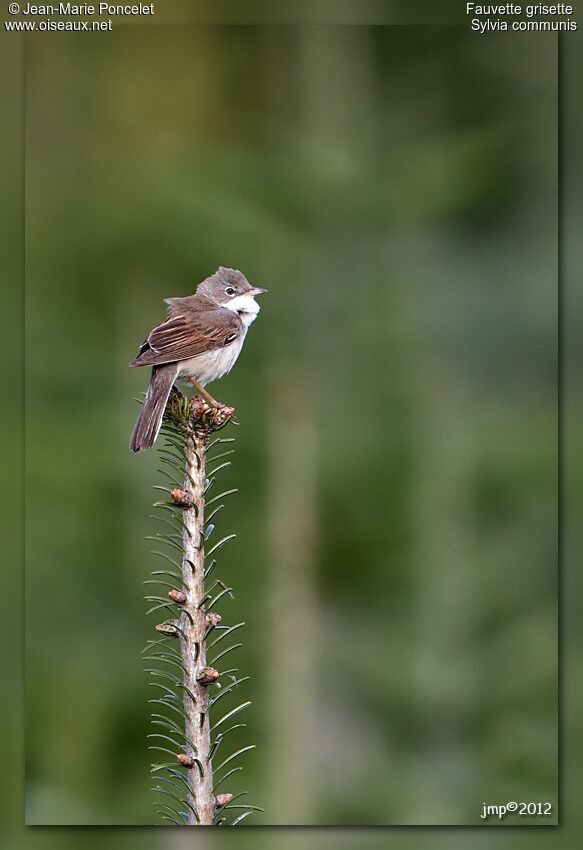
(197, 726)
(189, 784)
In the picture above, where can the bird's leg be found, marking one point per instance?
(207, 396)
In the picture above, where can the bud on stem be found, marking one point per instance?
(182, 498)
(207, 676)
(177, 596)
(213, 619)
(223, 799)
(167, 629)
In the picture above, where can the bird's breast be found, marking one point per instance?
(212, 365)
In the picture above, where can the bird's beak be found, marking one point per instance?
(257, 291)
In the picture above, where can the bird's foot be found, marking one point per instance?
(205, 394)
(209, 417)
(197, 413)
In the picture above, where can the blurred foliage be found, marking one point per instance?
(395, 190)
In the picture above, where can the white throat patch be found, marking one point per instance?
(246, 306)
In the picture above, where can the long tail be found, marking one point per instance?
(150, 418)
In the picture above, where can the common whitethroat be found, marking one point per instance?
(199, 342)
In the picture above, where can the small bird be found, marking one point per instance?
(199, 342)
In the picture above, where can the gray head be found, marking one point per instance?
(230, 288)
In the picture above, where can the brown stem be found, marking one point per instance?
(197, 727)
(196, 422)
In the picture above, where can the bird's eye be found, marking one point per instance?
(229, 290)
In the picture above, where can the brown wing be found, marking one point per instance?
(185, 335)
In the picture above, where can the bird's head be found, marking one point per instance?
(230, 288)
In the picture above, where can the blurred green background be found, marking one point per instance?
(395, 189)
